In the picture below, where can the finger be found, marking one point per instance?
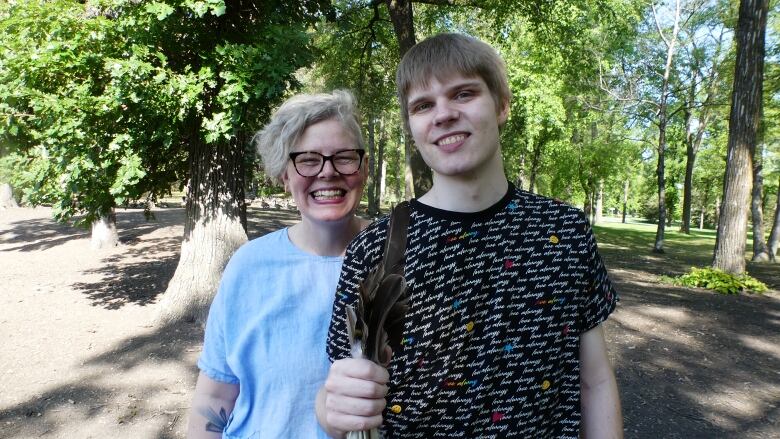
(345, 422)
(355, 387)
(355, 406)
(360, 368)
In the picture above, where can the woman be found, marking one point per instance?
(264, 356)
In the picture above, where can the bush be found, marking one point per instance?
(720, 281)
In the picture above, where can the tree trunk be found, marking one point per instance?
(625, 201)
(744, 120)
(104, 234)
(671, 45)
(520, 182)
(588, 207)
(701, 220)
(685, 227)
(373, 206)
(7, 196)
(535, 163)
(658, 247)
(774, 236)
(717, 211)
(760, 250)
(401, 15)
(408, 174)
(599, 213)
(379, 181)
(214, 229)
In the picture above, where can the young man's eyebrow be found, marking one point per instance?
(466, 83)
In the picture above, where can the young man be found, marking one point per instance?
(507, 290)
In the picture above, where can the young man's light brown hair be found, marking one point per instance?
(446, 54)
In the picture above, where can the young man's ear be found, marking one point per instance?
(503, 112)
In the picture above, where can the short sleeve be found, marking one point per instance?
(213, 359)
(363, 253)
(600, 297)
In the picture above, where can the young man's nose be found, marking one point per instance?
(445, 113)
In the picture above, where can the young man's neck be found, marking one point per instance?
(464, 194)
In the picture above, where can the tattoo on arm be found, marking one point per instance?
(217, 422)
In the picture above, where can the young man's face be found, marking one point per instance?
(454, 123)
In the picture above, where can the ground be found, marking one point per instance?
(83, 357)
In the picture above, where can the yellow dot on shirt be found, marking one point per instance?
(469, 326)
(395, 409)
(545, 385)
(554, 239)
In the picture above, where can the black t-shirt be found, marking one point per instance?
(498, 300)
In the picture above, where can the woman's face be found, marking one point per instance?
(327, 196)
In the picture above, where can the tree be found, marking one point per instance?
(744, 120)
(704, 61)
(245, 54)
(122, 99)
(72, 138)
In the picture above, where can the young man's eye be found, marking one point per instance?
(421, 107)
(464, 94)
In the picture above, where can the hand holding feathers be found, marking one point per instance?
(376, 320)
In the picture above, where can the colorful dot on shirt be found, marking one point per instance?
(512, 206)
(420, 362)
(456, 304)
(407, 340)
(554, 239)
(508, 347)
(508, 264)
(565, 329)
(395, 409)
(469, 326)
(545, 384)
(497, 416)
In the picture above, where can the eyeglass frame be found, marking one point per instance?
(328, 158)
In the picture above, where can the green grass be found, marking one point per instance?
(630, 246)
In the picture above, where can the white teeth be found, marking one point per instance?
(328, 193)
(452, 139)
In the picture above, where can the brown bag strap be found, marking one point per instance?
(396, 239)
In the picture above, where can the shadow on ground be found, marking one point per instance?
(94, 393)
(140, 274)
(695, 364)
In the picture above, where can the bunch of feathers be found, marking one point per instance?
(376, 321)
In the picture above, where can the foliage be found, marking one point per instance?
(720, 281)
(105, 100)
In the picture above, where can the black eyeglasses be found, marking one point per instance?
(310, 163)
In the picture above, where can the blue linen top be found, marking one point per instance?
(266, 332)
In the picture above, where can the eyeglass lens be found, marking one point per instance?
(309, 164)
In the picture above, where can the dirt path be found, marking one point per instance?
(82, 358)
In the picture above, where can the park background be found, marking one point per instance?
(128, 123)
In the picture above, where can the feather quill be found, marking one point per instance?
(376, 320)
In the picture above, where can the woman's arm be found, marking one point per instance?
(600, 403)
(211, 407)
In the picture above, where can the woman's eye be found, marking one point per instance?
(309, 162)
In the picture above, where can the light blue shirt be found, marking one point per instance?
(266, 332)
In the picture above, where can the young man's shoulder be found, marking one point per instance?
(372, 236)
(545, 206)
